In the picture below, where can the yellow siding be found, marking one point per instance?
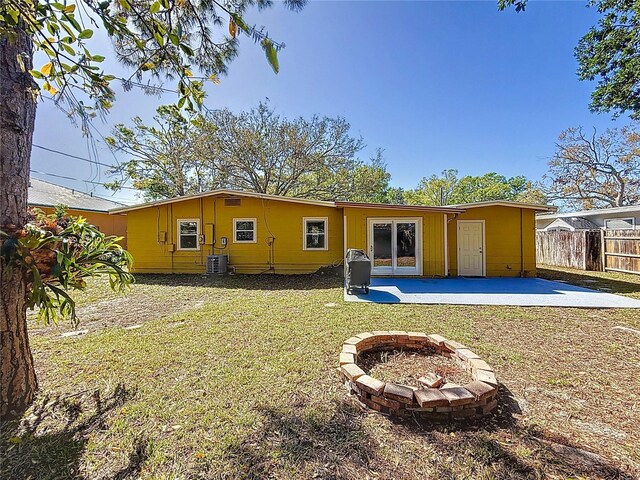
(505, 238)
(282, 221)
(433, 260)
(107, 224)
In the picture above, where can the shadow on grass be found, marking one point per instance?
(527, 452)
(592, 280)
(265, 281)
(49, 441)
(324, 445)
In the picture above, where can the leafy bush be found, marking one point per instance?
(58, 252)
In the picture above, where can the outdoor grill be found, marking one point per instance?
(358, 270)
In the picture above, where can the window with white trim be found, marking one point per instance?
(244, 230)
(619, 223)
(315, 233)
(188, 234)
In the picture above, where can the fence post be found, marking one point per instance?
(603, 250)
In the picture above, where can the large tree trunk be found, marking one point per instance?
(17, 114)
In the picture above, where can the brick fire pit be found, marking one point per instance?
(439, 402)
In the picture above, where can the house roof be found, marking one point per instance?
(338, 204)
(596, 211)
(575, 223)
(508, 203)
(386, 206)
(222, 193)
(45, 194)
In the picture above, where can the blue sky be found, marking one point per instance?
(435, 84)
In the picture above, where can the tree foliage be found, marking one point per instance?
(609, 53)
(449, 189)
(59, 252)
(168, 159)
(182, 40)
(592, 170)
(256, 151)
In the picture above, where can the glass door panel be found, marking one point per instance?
(394, 246)
(382, 254)
(406, 246)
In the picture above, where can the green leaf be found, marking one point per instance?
(86, 33)
(155, 7)
(125, 4)
(186, 49)
(159, 38)
(36, 74)
(272, 54)
(97, 58)
(67, 48)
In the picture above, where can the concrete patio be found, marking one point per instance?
(529, 292)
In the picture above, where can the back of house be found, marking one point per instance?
(260, 233)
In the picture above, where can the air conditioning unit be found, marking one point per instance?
(217, 264)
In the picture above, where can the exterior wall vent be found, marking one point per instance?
(217, 264)
(231, 202)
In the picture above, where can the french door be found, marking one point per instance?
(395, 246)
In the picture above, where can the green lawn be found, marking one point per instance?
(235, 378)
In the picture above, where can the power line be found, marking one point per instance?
(73, 156)
(77, 179)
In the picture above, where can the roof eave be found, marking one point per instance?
(386, 206)
(505, 203)
(219, 192)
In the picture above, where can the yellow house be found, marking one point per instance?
(261, 233)
(46, 196)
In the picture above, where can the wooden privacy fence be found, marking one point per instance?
(621, 251)
(580, 249)
(608, 250)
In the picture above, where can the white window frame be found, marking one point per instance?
(326, 233)
(255, 230)
(179, 235)
(632, 220)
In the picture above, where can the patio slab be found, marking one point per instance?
(526, 292)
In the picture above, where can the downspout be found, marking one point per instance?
(521, 244)
(446, 246)
(170, 214)
(344, 242)
(201, 235)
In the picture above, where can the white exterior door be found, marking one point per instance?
(471, 248)
(395, 246)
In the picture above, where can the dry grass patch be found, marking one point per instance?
(406, 367)
(243, 385)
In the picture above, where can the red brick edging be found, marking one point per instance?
(449, 401)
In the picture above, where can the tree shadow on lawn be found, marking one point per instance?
(587, 280)
(325, 444)
(340, 446)
(265, 281)
(487, 441)
(48, 442)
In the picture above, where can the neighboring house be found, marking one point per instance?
(617, 218)
(46, 196)
(570, 224)
(268, 233)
